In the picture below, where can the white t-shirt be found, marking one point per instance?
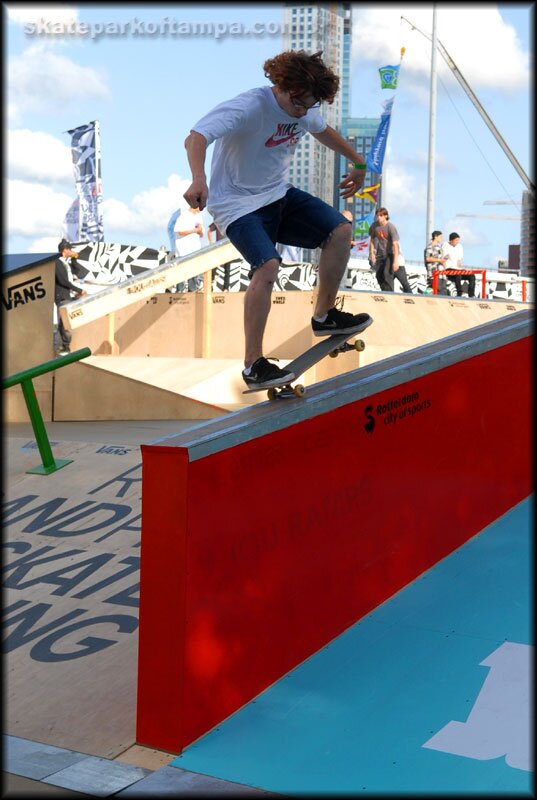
(255, 142)
(192, 241)
(453, 254)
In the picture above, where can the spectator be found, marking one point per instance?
(188, 230)
(64, 291)
(401, 275)
(213, 229)
(453, 253)
(434, 260)
(384, 253)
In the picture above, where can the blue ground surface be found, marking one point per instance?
(355, 716)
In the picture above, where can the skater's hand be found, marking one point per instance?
(352, 182)
(197, 193)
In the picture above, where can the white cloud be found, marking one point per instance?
(33, 155)
(148, 211)
(42, 80)
(48, 244)
(21, 13)
(470, 236)
(36, 212)
(420, 160)
(486, 50)
(34, 209)
(401, 193)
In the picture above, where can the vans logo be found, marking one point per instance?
(22, 293)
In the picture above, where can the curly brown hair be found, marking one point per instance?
(300, 73)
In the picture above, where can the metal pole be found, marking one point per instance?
(50, 464)
(37, 424)
(432, 138)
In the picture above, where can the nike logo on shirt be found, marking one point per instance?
(272, 142)
(285, 131)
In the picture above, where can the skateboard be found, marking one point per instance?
(331, 346)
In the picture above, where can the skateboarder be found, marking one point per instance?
(255, 206)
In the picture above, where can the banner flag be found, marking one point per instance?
(375, 156)
(86, 155)
(171, 231)
(370, 193)
(71, 222)
(363, 224)
(389, 76)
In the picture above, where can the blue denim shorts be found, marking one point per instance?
(298, 219)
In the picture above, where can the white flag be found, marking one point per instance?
(86, 155)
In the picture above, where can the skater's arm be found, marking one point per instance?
(196, 148)
(354, 181)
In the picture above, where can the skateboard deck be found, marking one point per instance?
(331, 345)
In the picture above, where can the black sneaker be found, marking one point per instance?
(263, 375)
(341, 322)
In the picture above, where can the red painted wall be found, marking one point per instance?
(257, 556)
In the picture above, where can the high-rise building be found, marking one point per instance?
(360, 132)
(513, 260)
(322, 26)
(527, 235)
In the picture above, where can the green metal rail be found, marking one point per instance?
(50, 464)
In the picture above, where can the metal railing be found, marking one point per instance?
(25, 378)
(462, 272)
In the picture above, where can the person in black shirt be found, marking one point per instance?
(64, 291)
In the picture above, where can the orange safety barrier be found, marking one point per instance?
(482, 272)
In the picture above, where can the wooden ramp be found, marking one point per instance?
(149, 382)
(143, 286)
(129, 388)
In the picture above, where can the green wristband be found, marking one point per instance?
(360, 166)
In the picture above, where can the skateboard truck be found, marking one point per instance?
(358, 345)
(286, 390)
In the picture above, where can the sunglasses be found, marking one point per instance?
(299, 104)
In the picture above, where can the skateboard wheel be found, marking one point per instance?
(299, 390)
(272, 393)
(359, 345)
(333, 354)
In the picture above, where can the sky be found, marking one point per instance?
(148, 72)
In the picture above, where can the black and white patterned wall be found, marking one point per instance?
(359, 277)
(104, 264)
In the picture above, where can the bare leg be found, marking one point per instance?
(257, 308)
(332, 265)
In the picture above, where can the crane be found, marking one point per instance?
(487, 216)
(464, 83)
